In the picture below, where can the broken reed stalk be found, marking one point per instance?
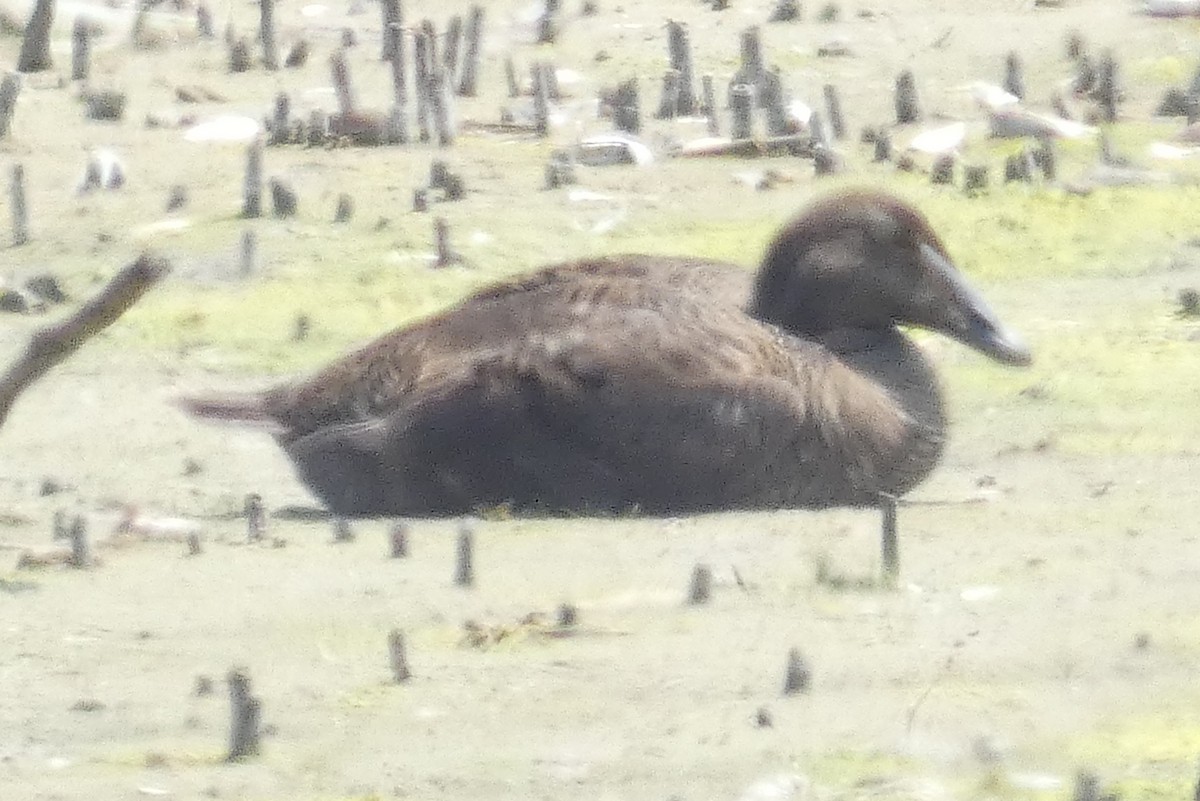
(890, 542)
(541, 98)
(252, 187)
(443, 115)
(453, 38)
(204, 22)
(568, 615)
(344, 210)
(393, 29)
(266, 32)
(668, 106)
(10, 87)
(510, 77)
(51, 345)
(1014, 75)
(469, 73)
(700, 588)
(80, 48)
(710, 105)
(279, 132)
(441, 238)
(772, 98)
(1107, 92)
(81, 548)
(340, 72)
(398, 539)
(464, 558)
(833, 109)
(20, 210)
(797, 678)
(35, 47)
(398, 657)
(256, 517)
(753, 66)
(908, 108)
(741, 107)
(245, 716)
(341, 531)
(421, 60)
(680, 53)
(248, 253)
(195, 547)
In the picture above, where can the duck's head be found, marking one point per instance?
(863, 259)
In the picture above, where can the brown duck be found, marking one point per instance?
(664, 385)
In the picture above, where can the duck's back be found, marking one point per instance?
(387, 372)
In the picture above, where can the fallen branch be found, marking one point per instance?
(53, 344)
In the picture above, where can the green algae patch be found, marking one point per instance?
(1144, 757)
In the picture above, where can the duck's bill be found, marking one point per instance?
(969, 319)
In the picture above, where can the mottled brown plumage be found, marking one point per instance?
(666, 385)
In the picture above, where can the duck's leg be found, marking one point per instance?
(890, 546)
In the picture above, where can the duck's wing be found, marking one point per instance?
(381, 376)
(666, 410)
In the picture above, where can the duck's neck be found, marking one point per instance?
(883, 401)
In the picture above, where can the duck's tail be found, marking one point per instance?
(238, 408)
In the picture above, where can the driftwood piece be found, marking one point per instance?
(53, 344)
(792, 145)
(35, 47)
